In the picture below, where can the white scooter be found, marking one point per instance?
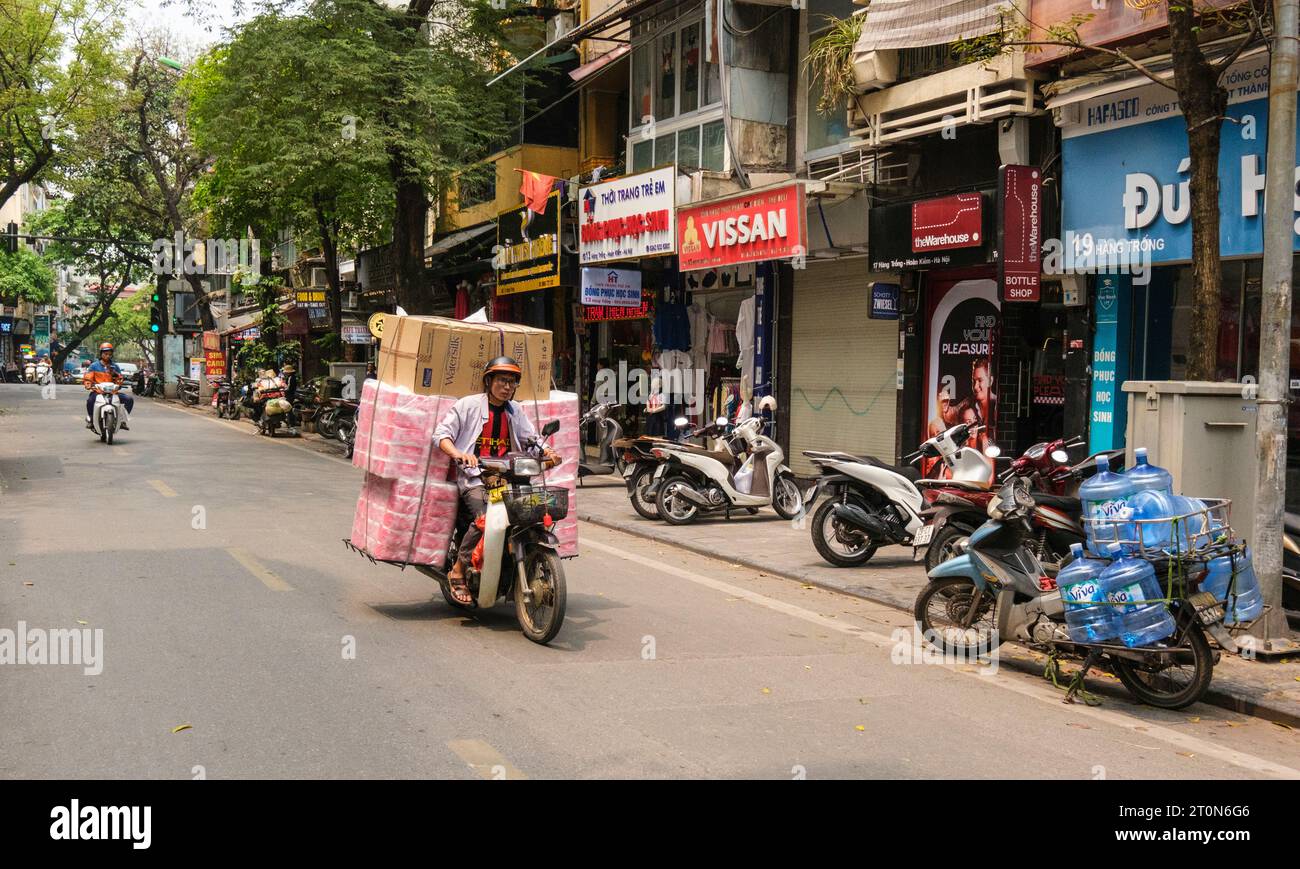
(874, 503)
(44, 374)
(750, 477)
(109, 413)
(29, 372)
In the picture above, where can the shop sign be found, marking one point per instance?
(629, 217)
(215, 362)
(1126, 174)
(41, 334)
(314, 303)
(1108, 411)
(211, 341)
(892, 233)
(6, 325)
(356, 334)
(947, 223)
(196, 367)
(757, 226)
(884, 301)
(527, 256)
(608, 313)
(620, 288)
(1020, 233)
(248, 334)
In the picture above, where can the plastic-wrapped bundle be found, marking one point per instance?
(394, 523)
(562, 406)
(394, 436)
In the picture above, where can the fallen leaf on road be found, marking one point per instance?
(1194, 719)
(29, 584)
(806, 667)
(179, 727)
(860, 728)
(82, 622)
(1232, 724)
(1143, 729)
(1184, 754)
(862, 700)
(802, 586)
(767, 690)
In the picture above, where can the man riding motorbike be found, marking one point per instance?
(482, 426)
(105, 370)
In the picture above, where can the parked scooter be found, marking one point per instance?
(996, 591)
(608, 459)
(227, 399)
(640, 462)
(518, 558)
(874, 503)
(108, 413)
(29, 371)
(694, 480)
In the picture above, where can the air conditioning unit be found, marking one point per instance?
(350, 301)
(318, 278)
(559, 25)
(876, 69)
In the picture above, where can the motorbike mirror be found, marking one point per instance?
(550, 428)
(1060, 456)
(993, 451)
(681, 422)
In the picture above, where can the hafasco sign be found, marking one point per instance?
(1020, 233)
(629, 217)
(620, 288)
(947, 223)
(763, 225)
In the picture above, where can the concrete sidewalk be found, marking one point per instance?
(1266, 689)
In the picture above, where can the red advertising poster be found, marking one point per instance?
(961, 362)
(214, 363)
(947, 223)
(768, 224)
(1020, 233)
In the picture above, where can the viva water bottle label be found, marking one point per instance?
(1129, 594)
(1081, 592)
(1111, 510)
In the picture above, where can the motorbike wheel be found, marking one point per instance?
(672, 509)
(108, 430)
(540, 621)
(234, 412)
(327, 424)
(1175, 685)
(641, 480)
(347, 429)
(103, 435)
(826, 540)
(786, 498)
(941, 609)
(944, 546)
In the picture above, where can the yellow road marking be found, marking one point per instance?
(163, 489)
(484, 759)
(255, 567)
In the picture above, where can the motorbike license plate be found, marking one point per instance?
(629, 471)
(1208, 608)
(923, 536)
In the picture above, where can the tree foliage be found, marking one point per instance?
(25, 275)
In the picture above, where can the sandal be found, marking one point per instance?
(460, 590)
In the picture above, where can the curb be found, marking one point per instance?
(1240, 703)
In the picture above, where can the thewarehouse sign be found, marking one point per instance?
(629, 217)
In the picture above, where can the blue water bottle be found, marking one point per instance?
(1154, 508)
(1089, 617)
(1146, 477)
(1135, 593)
(1246, 603)
(1105, 498)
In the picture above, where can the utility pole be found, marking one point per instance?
(1275, 325)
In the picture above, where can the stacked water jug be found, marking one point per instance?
(1129, 518)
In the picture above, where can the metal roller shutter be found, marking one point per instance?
(843, 365)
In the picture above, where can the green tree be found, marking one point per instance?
(56, 58)
(127, 327)
(25, 275)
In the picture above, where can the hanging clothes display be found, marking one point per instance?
(672, 329)
(745, 338)
(462, 301)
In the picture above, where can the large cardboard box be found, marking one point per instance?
(438, 356)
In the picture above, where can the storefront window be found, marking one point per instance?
(643, 156)
(688, 148)
(713, 150)
(665, 149)
(666, 69)
(690, 95)
(642, 84)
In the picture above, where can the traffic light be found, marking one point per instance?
(11, 237)
(158, 314)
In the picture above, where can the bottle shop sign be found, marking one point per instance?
(1020, 233)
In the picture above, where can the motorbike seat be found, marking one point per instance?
(1063, 503)
(906, 471)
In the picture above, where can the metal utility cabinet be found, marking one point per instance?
(1204, 434)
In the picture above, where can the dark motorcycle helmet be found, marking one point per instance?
(501, 365)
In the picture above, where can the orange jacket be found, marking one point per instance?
(97, 373)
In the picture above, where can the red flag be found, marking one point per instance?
(535, 188)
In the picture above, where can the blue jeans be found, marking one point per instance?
(127, 402)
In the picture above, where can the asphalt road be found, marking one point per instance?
(210, 558)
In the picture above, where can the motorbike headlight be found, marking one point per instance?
(525, 467)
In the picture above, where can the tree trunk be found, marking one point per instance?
(330, 248)
(1203, 102)
(408, 243)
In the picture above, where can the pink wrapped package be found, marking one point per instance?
(395, 432)
(393, 524)
(562, 406)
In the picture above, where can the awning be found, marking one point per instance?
(918, 23)
(455, 239)
(599, 63)
(243, 321)
(620, 12)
